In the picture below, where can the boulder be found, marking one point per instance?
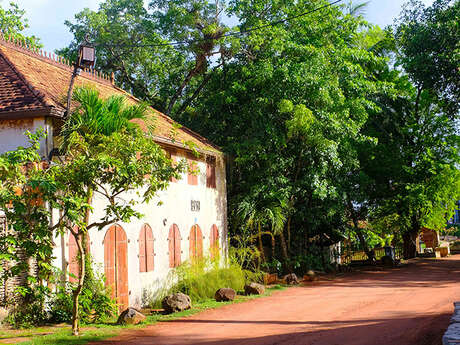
(130, 316)
(225, 295)
(254, 289)
(176, 302)
(310, 276)
(291, 279)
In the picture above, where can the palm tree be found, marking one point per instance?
(256, 215)
(358, 9)
(94, 115)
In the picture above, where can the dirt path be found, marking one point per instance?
(404, 306)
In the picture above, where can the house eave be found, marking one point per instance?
(34, 113)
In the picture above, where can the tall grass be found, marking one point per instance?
(201, 278)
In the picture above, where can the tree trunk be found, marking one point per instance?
(273, 247)
(82, 260)
(410, 243)
(284, 251)
(76, 292)
(289, 234)
(261, 247)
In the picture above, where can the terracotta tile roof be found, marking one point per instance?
(33, 81)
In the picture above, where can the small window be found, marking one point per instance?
(211, 174)
(192, 172)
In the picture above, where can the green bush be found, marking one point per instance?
(96, 304)
(29, 309)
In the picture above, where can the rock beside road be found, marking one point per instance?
(254, 289)
(176, 302)
(310, 276)
(130, 316)
(225, 295)
(291, 279)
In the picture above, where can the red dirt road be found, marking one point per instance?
(405, 306)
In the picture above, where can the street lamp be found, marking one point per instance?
(86, 59)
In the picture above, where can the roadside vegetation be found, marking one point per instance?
(336, 130)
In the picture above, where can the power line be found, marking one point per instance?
(230, 34)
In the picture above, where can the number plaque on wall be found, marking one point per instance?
(195, 205)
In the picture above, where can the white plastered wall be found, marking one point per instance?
(175, 209)
(12, 134)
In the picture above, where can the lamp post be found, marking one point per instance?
(86, 59)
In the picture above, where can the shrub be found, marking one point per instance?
(96, 304)
(29, 309)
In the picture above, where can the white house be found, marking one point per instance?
(135, 257)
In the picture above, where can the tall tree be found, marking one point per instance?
(133, 43)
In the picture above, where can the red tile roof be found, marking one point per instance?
(34, 82)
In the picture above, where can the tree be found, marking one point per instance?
(106, 156)
(428, 44)
(13, 23)
(133, 43)
(288, 109)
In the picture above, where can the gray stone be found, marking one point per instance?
(254, 289)
(130, 316)
(452, 335)
(225, 295)
(455, 318)
(291, 279)
(176, 302)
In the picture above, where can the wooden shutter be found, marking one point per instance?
(109, 259)
(149, 249)
(196, 242)
(116, 264)
(73, 267)
(214, 248)
(192, 242)
(192, 177)
(142, 251)
(211, 174)
(122, 268)
(177, 250)
(199, 242)
(174, 246)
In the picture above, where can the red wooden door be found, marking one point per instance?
(174, 246)
(146, 251)
(74, 266)
(116, 264)
(214, 242)
(196, 242)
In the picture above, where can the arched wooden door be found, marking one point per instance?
(146, 250)
(214, 242)
(196, 242)
(174, 246)
(73, 265)
(116, 264)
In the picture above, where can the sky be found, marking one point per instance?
(46, 17)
